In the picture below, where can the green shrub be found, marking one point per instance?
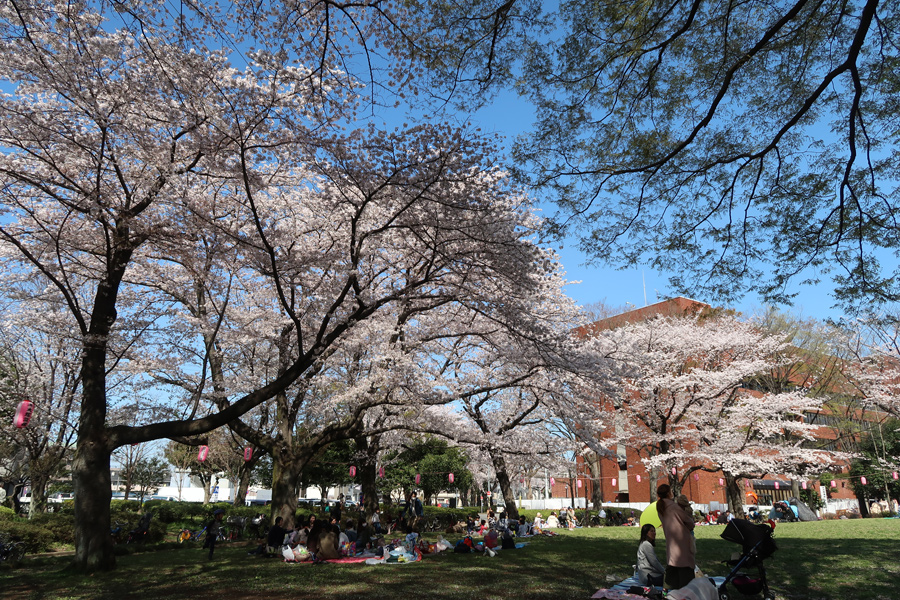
(36, 539)
(60, 526)
(167, 512)
(125, 505)
(6, 513)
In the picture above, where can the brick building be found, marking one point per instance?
(623, 477)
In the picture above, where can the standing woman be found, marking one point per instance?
(678, 528)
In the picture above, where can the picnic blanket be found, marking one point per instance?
(397, 557)
(347, 559)
(701, 588)
(612, 594)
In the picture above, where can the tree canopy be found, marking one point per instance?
(742, 146)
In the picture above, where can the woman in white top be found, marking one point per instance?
(552, 521)
(650, 570)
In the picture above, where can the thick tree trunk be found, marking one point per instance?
(285, 481)
(90, 472)
(90, 469)
(509, 499)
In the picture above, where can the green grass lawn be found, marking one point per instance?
(844, 560)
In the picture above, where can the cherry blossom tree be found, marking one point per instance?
(121, 130)
(684, 400)
(42, 367)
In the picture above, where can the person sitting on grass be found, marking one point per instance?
(552, 521)
(274, 540)
(507, 541)
(323, 542)
(523, 527)
(277, 533)
(491, 539)
(650, 570)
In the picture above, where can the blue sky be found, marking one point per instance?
(510, 116)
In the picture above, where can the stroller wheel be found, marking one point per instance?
(723, 595)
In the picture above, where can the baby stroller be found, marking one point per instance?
(757, 544)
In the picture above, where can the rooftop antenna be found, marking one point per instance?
(645, 287)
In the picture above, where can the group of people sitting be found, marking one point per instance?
(565, 520)
(319, 538)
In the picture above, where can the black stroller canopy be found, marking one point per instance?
(751, 537)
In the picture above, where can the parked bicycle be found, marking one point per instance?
(188, 535)
(116, 532)
(12, 549)
(141, 532)
(197, 535)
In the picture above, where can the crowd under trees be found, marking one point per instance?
(206, 239)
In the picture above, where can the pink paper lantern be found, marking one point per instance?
(578, 483)
(614, 480)
(23, 413)
(674, 471)
(833, 483)
(721, 481)
(777, 486)
(804, 485)
(450, 477)
(202, 453)
(638, 477)
(863, 480)
(746, 483)
(696, 476)
(248, 454)
(894, 474)
(418, 479)
(381, 472)
(552, 482)
(352, 471)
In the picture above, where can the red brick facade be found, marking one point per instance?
(629, 481)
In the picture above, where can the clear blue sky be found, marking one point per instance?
(510, 116)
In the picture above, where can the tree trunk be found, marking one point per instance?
(285, 480)
(509, 499)
(90, 468)
(240, 493)
(207, 490)
(245, 474)
(734, 495)
(654, 483)
(596, 483)
(367, 473)
(38, 494)
(93, 485)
